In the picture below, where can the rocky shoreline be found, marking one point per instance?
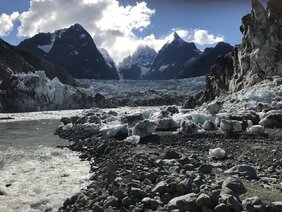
(176, 168)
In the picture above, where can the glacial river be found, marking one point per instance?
(34, 174)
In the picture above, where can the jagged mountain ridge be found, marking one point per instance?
(258, 57)
(172, 58)
(14, 60)
(136, 66)
(202, 65)
(74, 50)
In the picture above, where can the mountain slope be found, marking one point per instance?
(72, 49)
(202, 65)
(172, 58)
(14, 60)
(136, 66)
(108, 59)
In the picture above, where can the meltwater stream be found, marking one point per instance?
(34, 174)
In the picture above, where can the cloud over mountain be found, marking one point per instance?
(112, 25)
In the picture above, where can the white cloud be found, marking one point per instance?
(6, 23)
(111, 24)
(202, 37)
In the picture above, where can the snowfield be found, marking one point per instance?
(145, 92)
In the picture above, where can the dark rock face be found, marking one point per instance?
(132, 73)
(202, 65)
(219, 78)
(172, 58)
(14, 60)
(72, 49)
(136, 66)
(256, 58)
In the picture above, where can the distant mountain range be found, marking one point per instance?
(74, 50)
(201, 65)
(176, 59)
(71, 53)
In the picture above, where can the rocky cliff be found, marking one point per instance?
(258, 57)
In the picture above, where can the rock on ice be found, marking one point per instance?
(230, 126)
(144, 128)
(256, 129)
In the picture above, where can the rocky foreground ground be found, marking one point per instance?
(190, 169)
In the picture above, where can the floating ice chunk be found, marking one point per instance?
(217, 153)
(111, 131)
(68, 126)
(221, 116)
(209, 125)
(230, 126)
(256, 129)
(200, 118)
(113, 119)
(147, 114)
(133, 139)
(167, 124)
(144, 128)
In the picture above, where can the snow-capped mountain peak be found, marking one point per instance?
(141, 59)
(73, 49)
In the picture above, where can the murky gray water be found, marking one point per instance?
(34, 174)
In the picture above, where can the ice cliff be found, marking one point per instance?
(36, 92)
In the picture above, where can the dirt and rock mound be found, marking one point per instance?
(178, 170)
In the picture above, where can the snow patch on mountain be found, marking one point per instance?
(54, 36)
(163, 68)
(108, 59)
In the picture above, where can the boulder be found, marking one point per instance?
(160, 188)
(209, 125)
(214, 107)
(256, 129)
(235, 185)
(172, 154)
(203, 200)
(222, 207)
(184, 203)
(273, 120)
(111, 201)
(242, 170)
(188, 127)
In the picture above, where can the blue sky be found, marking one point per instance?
(151, 23)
